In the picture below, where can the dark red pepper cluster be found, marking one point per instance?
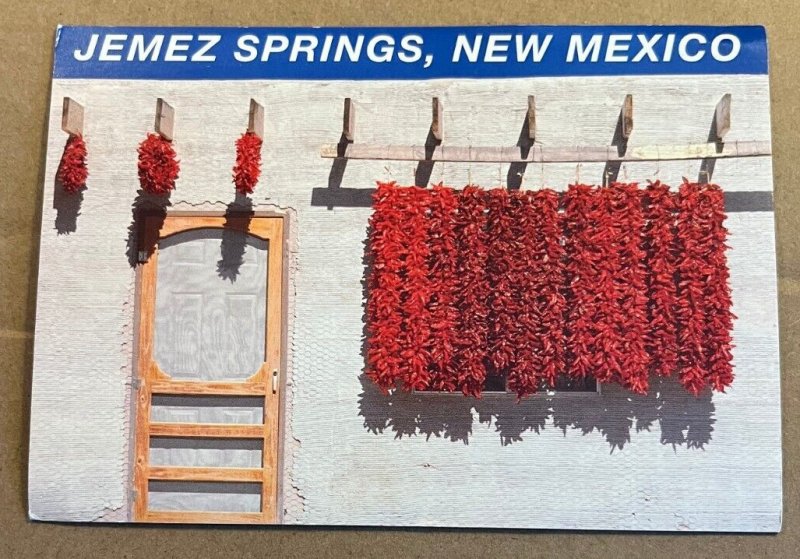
(416, 337)
(471, 290)
(247, 169)
(471, 283)
(536, 272)
(158, 165)
(72, 171)
(607, 304)
(704, 312)
(386, 256)
(464, 284)
(524, 267)
(443, 263)
(662, 251)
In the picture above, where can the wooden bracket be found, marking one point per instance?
(349, 120)
(72, 117)
(626, 117)
(437, 122)
(165, 120)
(255, 121)
(722, 117)
(531, 116)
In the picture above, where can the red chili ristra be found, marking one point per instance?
(385, 285)
(629, 355)
(504, 237)
(661, 256)
(247, 169)
(72, 171)
(415, 337)
(471, 294)
(538, 283)
(718, 296)
(586, 278)
(606, 287)
(704, 316)
(158, 165)
(444, 287)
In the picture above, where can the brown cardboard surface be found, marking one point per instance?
(26, 39)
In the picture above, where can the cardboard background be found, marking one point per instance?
(26, 36)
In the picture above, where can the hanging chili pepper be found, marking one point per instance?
(442, 303)
(385, 286)
(158, 165)
(704, 317)
(247, 169)
(606, 286)
(72, 170)
(661, 248)
(504, 236)
(551, 286)
(587, 282)
(415, 337)
(718, 297)
(472, 289)
(470, 283)
(629, 356)
(538, 283)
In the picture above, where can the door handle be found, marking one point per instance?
(274, 381)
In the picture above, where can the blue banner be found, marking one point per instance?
(405, 53)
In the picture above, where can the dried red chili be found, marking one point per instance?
(158, 165)
(630, 322)
(605, 285)
(385, 287)
(704, 317)
(442, 302)
(247, 169)
(586, 282)
(72, 170)
(470, 283)
(472, 287)
(661, 248)
(537, 280)
(504, 235)
(415, 336)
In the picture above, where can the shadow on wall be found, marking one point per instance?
(684, 420)
(68, 208)
(144, 205)
(234, 241)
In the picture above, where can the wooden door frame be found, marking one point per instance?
(268, 381)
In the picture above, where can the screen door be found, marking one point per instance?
(209, 356)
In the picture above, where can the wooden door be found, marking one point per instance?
(208, 360)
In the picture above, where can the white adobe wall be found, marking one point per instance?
(354, 457)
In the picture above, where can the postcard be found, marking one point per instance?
(515, 277)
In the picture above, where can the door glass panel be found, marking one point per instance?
(210, 310)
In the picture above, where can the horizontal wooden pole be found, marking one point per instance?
(197, 517)
(176, 387)
(206, 430)
(545, 154)
(746, 201)
(205, 474)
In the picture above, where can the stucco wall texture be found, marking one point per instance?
(667, 461)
